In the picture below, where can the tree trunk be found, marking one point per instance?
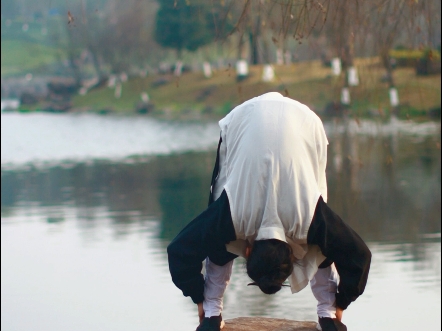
(96, 64)
(240, 46)
(388, 68)
(253, 39)
(72, 60)
(254, 34)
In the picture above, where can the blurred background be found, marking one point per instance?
(109, 130)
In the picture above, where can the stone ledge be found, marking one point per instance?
(267, 324)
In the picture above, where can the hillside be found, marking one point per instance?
(311, 83)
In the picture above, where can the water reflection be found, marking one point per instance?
(387, 187)
(173, 188)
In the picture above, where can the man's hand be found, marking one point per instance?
(339, 312)
(200, 311)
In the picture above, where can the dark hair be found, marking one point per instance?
(269, 264)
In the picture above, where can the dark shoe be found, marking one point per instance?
(210, 324)
(331, 324)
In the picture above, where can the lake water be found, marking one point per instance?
(89, 204)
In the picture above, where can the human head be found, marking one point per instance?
(269, 264)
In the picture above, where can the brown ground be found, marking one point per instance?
(267, 324)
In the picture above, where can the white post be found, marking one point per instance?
(279, 57)
(394, 97)
(145, 97)
(345, 96)
(288, 57)
(178, 68)
(112, 81)
(353, 79)
(207, 69)
(336, 66)
(268, 74)
(242, 68)
(123, 77)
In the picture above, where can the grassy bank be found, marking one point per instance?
(309, 82)
(21, 56)
(28, 47)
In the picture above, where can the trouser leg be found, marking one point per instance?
(324, 286)
(216, 281)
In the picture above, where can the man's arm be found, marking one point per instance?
(342, 245)
(205, 236)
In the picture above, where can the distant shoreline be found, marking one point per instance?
(194, 97)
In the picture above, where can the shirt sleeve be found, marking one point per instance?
(205, 236)
(217, 279)
(342, 245)
(321, 147)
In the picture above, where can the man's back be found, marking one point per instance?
(274, 165)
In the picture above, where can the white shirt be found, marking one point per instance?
(272, 165)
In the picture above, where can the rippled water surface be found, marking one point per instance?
(89, 204)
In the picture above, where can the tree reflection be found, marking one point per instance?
(386, 188)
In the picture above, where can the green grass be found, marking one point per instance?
(19, 56)
(14, 31)
(308, 82)
(104, 99)
(24, 51)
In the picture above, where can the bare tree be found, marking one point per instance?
(386, 19)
